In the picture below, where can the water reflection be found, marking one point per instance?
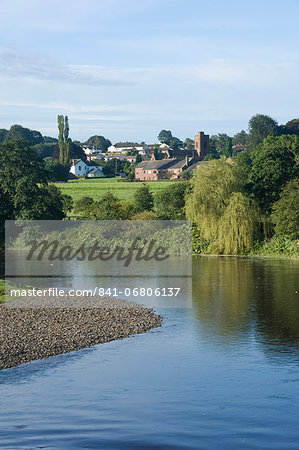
(242, 298)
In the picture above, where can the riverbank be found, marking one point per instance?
(30, 333)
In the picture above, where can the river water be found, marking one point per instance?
(223, 374)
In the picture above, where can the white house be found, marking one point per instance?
(92, 150)
(95, 173)
(82, 168)
(123, 148)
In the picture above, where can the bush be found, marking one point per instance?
(143, 199)
(81, 204)
(285, 213)
(170, 202)
(144, 215)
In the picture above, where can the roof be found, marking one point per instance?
(157, 164)
(190, 169)
(179, 164)
(94, 170)
(88, 163)
(128, 144)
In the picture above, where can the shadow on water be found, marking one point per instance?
(237, 299)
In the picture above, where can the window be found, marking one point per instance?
(79, 167)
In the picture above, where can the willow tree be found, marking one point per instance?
(63, 139)
(225, 215)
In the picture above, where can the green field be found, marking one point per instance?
(97, 188)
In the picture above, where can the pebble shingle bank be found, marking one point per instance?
(29, 331)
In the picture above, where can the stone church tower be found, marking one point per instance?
(202, 145)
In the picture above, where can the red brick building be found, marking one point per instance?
(202, 144)
(157, 170)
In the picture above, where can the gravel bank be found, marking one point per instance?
(33, 332)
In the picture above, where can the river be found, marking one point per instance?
(221, 374)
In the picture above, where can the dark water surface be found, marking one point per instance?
(223, 374)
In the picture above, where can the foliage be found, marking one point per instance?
(144, 215)
(225, 215)
(143, 199)
(3, 134)
(23, 185)
(240, 138)
(43, 150)
(286, 211)
(157, 153)
(112, 167)
(81, 204)
(277, 246)
(138, 159)
(218, 143)
(76, 152)
(261, 126)
(273, 165)
(63, 139)
(99, 142)
(56, 171)
(228, 148)
(170, 202)
(238, 226)
(108, 208)
(291, 127)
(165, 136)
(25, 134)
(50, 140)
(175, 143)
(67, 203)
(189, 144)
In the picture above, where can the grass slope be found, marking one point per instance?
(98, 187)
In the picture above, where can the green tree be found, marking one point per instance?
(228, 148)
(273, 165)
(67, 203)
(165, 136)
(3, 134)
(23, 181)
(285, 213)
(112, 167)
(143, 199)
(19, 132)
(170, 201)
(63, 139)
(157, 153)
(240, 138)
(261, 126)
(108, 207)
(219, 206)
(222, 142)
(189, 144)
(100, 142)
(56, 171)
(60, 121)
(67, 140)
(44, 150)
(82, 204)
(291, 127)
(138, 159)
(50, 140)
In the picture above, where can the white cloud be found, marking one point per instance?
(17, 63)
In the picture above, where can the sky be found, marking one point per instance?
(126, 69)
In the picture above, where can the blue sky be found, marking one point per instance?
(126, 69)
